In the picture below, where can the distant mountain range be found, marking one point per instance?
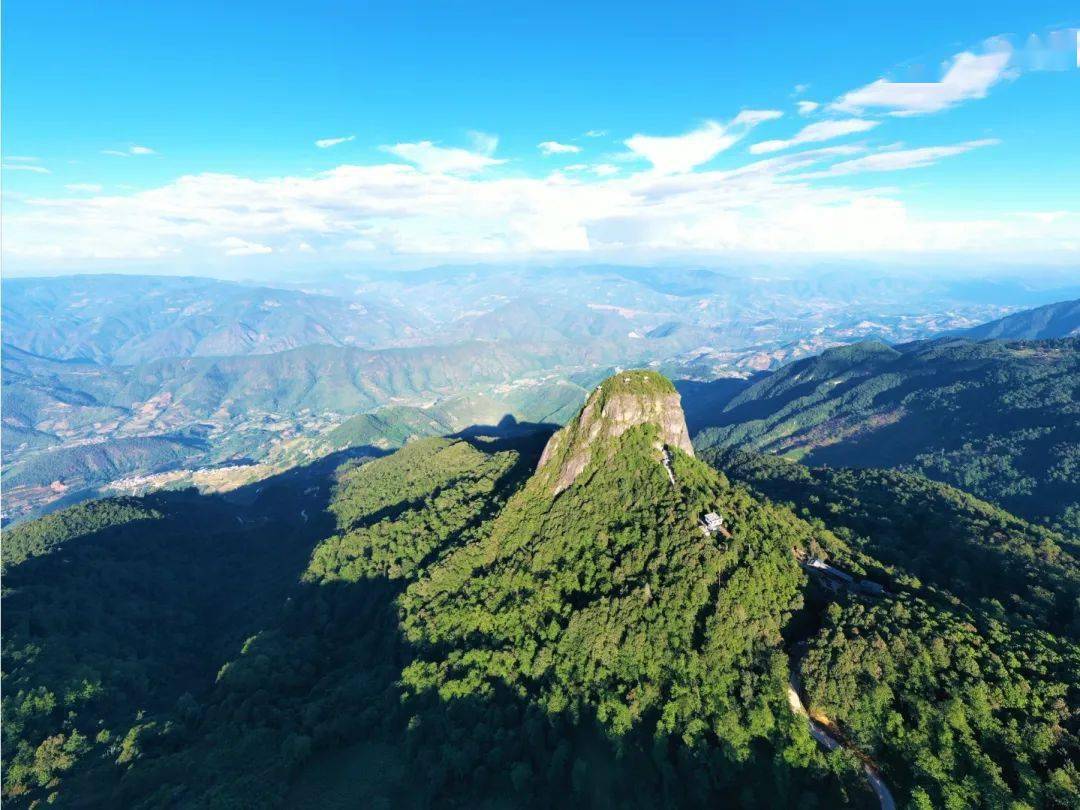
(599, 314)
(121, 379)
(129, 320)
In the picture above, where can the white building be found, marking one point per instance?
(712, 523)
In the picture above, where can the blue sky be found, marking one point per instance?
(173, 136)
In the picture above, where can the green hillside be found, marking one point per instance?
(454, 625)
(387, 427)
(998, 420)
(88, 465)
(612, 621)
(930, 536)
(83, 425)
(117, 612)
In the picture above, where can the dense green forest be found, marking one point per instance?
(962, 683)
(930, 537)
(998, 420)
(446, 626)
(953, 706)
(116, 612)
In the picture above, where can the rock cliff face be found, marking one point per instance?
(621, 402)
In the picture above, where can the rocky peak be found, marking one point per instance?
(621, 402)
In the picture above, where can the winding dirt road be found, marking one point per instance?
(877, 784)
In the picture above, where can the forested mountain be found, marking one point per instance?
(475, 623)
(1050, 321)
(930, 535)
(1000, 420)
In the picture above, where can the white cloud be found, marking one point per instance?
(25, 167)
(556, 148)
(751, 118)
(21, 159)
(595, 133)
(326, 143)
(391, 211)
(968, 76)
(900, 159)
(235, 246)
(132, 150)
(433, 159)
(598, 169)
(815, 133)
(681, 153)
(439, 207)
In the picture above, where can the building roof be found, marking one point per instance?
(828, 569)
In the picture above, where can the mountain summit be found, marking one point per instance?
(621, 402)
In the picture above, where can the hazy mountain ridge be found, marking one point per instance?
(127, 320)
(623, 314)
(1051, 321)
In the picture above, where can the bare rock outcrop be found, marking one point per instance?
(621, 402)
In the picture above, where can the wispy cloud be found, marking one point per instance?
(815, 133)
(132, 151)
(556, 148)
(680, 153)
(1056, 51)
(84, 188)
(597, 169)
(235, 246)
(326, 143)
(968, 76)
(595, 133)
(433, 159)
(900, 159)
(806, 107)
(24, 167)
